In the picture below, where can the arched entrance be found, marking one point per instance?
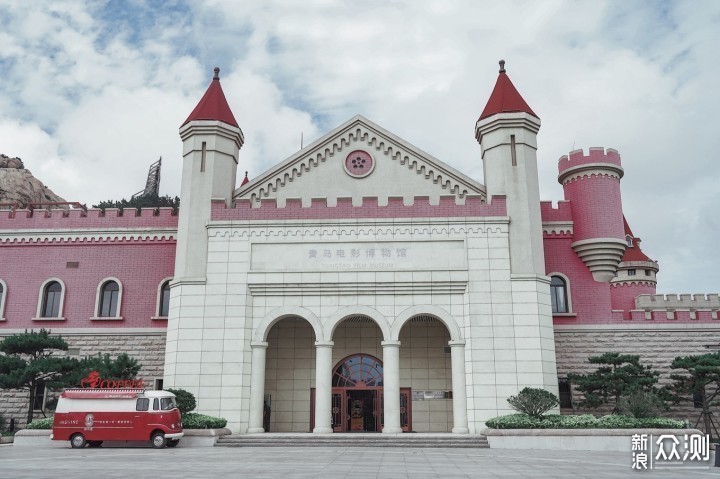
(357, 396)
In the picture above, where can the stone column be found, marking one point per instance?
(391, 390)
(457, 357)
(323, 387)
(257, 387)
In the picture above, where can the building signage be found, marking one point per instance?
(429, 395)
(359, 256)
(93, 380)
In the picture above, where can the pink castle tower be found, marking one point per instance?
(592, 185)
(636, 275)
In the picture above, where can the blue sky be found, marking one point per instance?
(92, 92)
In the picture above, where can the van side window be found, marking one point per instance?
(156, 404)
(142, 404)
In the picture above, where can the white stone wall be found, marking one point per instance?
(455, 269)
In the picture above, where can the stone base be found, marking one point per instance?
(573, 439)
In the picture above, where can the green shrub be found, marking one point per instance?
(193, 420)
(582, 421)
(2, 423)
(534, 402)
(44, 423)
(641, 404)
(185, 399)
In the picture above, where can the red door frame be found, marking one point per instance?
(342, 425)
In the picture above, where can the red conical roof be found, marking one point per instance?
(505, 97)
(213, 105)
(634, 253)
(245, 180)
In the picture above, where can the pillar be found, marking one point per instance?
(257, 386)
(457, 358)
(323, 387)
(391, 392)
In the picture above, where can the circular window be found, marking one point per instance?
(359, 163)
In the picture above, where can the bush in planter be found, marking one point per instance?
(641, 404)
(185, 399)
(534, 402)
(582, 421)
(44, 423)
(193, 420)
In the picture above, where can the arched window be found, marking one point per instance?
(52, 297)
(164, 300)
(3, 294)
(558, 295)
(629, 241)
(359, 370)
(109, 300)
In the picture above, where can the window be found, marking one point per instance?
(164, 301)
(3, 293)
(109, 298)
(565, 390)
(143, 404)
(158, 384)
(647, 272)
(52, 297)
(156, 404)
(697, 399)
(166, 404)
(632, 272)
(39, 397)
(558, 295)
(629, 241)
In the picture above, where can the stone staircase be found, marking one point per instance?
(353, 440)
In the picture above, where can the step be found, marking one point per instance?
(353, 440)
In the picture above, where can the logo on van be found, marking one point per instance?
(93, 380)
(89, 421)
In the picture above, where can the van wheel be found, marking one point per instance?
(77, 441)
(94, 443)
(172, 442)
(158, 440)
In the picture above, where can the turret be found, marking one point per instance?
(636, 275)
(507, 132)
(211, 143)
(592, 185)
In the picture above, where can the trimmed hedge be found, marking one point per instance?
(582, 421)
(192, 420)
(44, 423)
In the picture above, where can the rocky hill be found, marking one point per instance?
(18, 185)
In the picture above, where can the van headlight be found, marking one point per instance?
(172, 425)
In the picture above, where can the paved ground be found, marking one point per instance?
(286, 463)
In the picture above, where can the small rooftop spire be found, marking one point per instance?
(502, 66)
(217, 73)
(245, 180)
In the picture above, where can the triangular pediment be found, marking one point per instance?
(359, 159)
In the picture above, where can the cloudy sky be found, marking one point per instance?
(91, 93)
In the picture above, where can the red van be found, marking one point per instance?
(91, 416)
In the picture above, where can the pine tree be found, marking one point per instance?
(699, 382)
(619, 375)
(30, 359)
(145, 201)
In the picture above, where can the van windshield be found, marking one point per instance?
(167, 404)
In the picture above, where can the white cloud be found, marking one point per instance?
(91, 97)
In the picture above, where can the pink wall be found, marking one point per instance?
(112, 218)
(623, 295)
(590, 299)
(139, 265)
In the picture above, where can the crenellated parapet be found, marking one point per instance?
(675, 307)
(599, 162)
(111, 218)
(556, 220)
(293, 209)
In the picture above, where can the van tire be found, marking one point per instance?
(94, 443)
(172, 442)
(157, 440)
(77, 441)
